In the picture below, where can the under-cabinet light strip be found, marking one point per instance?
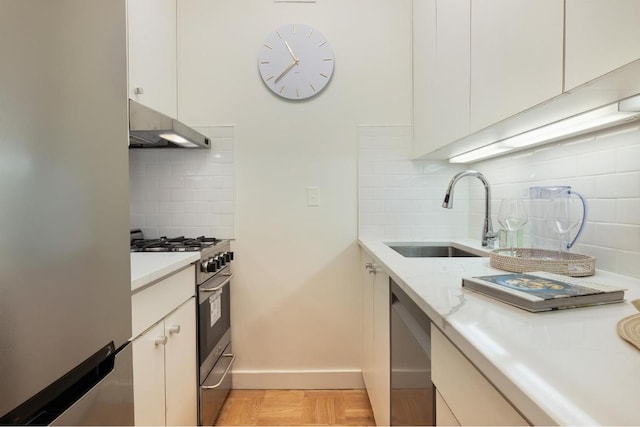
(608, 115)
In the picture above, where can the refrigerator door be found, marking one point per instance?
(111, 399)
(64, 214)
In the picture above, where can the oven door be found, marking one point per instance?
(215, 388)
(214, 320)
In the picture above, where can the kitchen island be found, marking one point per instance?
(565, 367)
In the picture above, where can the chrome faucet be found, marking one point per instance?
(488, 236)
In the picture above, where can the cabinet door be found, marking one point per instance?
(148, 377)
(601, 35)
(516, 57)
(181, 366)
(367, 351)
(444, 416)
(381, 349)
(441, 73)
(376, 349)
(152, 54)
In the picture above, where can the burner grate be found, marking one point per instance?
(173, 244)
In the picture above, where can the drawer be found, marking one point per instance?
(155, 302)
(471, 398)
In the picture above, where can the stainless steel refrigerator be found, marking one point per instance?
(65, 308)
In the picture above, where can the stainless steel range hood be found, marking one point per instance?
(151, 129)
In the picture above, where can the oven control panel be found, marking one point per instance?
(216, 262)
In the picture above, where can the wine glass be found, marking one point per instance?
(512, 217)
(563, 215)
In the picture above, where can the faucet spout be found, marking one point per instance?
(488, 235)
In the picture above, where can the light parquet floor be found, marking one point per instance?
(296, 408)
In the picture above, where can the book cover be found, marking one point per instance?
(539, 287)
(542, 291)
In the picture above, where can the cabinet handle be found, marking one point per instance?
(138, 91)
(161, 340)
(174, 329)
(371, 267)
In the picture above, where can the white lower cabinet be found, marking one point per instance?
(444, 416)
(464, 396)
(376, 347)
(165, 383)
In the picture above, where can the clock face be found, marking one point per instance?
(296, 62)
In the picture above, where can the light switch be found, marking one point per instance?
(313, 196)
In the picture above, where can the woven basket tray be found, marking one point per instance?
(527, 259)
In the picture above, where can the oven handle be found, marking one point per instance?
(217, 288)
(224, 375)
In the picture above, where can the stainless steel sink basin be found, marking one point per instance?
(418, 250)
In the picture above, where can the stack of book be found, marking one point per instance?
(542, 291)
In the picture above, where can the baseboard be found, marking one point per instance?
(299, 380)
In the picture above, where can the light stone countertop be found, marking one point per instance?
(564, 367)
(149, 267)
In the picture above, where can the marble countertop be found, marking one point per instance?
(565, 367)
(148, 267)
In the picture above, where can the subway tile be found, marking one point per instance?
(221, 207)
(616, 236)
(628, 158)
(628, 263)
(182, 194)
(208, 194)
(601, 210)
(170, 207)
(170, 155)
(596, 163)
(182, 220)
(196, 207)
(621, 185)
(628, 211)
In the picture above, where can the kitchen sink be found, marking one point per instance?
(427, 250)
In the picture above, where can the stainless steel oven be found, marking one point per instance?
(215, 357)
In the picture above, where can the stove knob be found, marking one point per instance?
(204, 267)
(218, 263)
(223, 261)
(227, 256)
(230, 255)
(212, 265)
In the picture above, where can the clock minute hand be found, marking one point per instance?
(293, 55)
(286, 70)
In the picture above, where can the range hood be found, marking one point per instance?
(151, 129)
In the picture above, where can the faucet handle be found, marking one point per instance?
(492, 238)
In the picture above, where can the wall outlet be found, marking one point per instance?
(313, 196)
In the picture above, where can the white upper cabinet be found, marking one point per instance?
(152, 54)
(601, 35)
(516, 57)
(441, 73)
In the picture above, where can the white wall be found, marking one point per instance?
(296, 297)
(604, 167)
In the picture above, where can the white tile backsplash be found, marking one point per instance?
(185, 192)
(604, 167)
(400, 198)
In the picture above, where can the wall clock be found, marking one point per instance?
(296, 62)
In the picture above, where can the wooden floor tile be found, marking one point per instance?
(296, 408)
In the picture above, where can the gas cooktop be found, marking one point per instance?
(173, 244)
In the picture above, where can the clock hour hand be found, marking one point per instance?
(286, 70)
(293, 55)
